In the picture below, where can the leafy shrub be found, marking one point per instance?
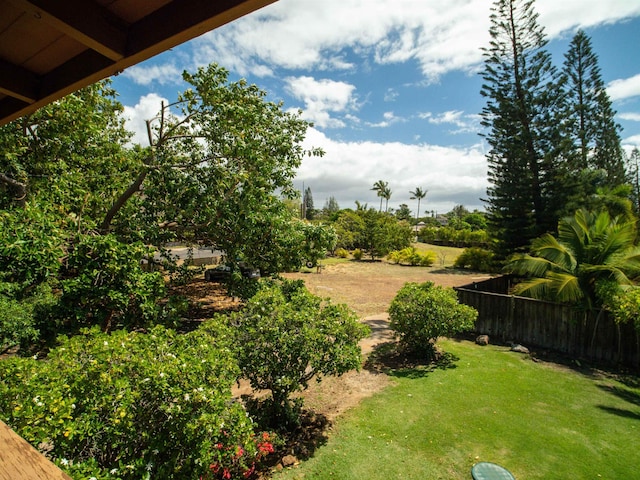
(17, 325)
(411, 256)
(286, 336)
(427, 259)
(23, 320)
(30, 246)
(475, 258)
(342, 253)
(131, 405)
(422, 312)
(104, 284)
(357, 254)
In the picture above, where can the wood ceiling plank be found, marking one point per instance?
(85, 21)
(18, 82)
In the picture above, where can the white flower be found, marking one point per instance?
(149, 466)
(93, 478)
(186, 397)
(155, 451)
(161, 374)
(113, 471)
(64, 461)
(106, 344)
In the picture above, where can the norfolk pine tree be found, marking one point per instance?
(591, 129)
(523, 95)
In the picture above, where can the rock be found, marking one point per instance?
(289, 461)
(519, 348)
(482, 340)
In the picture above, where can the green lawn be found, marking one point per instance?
(539, 420)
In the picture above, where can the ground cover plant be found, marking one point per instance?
(539, 420)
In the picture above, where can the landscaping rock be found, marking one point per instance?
(519, 348)
(289, 461)
(482, 340)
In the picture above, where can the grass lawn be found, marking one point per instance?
(539, 420)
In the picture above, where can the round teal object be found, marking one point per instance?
(490, 471)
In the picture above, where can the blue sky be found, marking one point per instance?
(392, 86)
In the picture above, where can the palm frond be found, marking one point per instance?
(539, 288)
(528, 265)
(565, 286)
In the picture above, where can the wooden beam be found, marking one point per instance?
(83, 20)
(20, 461)
(182, 20)
(171, 25)
(73, 73)
(18, 82)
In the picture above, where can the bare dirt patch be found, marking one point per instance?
(368, 288)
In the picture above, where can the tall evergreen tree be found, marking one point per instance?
(591, 131)
(523, 95)
(633, 166)
(331, 206)
(307, 204)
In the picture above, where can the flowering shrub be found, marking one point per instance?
(241, 465)
(132, 405)
(422, 312)
(286, 336)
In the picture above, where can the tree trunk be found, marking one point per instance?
(119, 203)
(19, 187)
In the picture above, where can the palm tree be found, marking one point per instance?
(591, 250)
(380, 186)
(419, 194)
(386, 194)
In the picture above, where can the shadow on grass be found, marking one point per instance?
(627, 395)
(387, 358)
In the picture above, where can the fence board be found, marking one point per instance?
(549, 325)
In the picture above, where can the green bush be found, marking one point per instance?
(17, 325)
(427, 259)
(104, 284)
(420, 313)
(22, 321)
(286, 336)
(132, 405)
(476, 258)
(412, 257)
(357, 254)
(342, 253)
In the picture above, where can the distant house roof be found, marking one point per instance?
(50, 48)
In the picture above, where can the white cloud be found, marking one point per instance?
(389, 118)
(633, 117)
(465, 123)
(164, 74)
(321, 98)
(559, 17)
(439, 36)
(624, 88)
(631, 142)
(348, 170)
(147, 108)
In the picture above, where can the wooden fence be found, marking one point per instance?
(551, 326)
